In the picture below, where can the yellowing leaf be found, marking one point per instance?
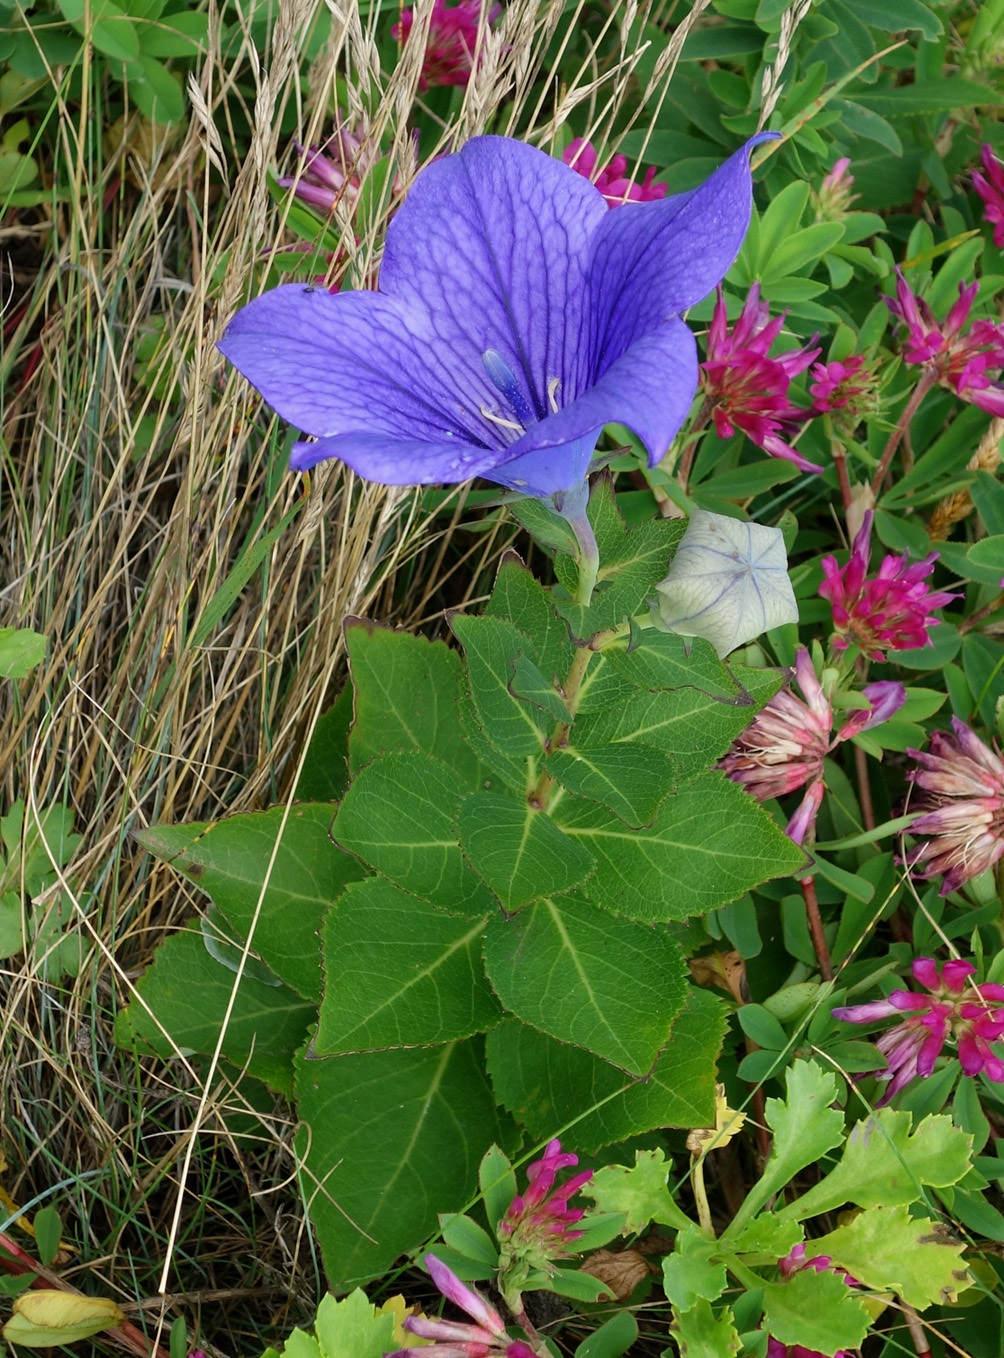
(45, 1319)
(399, 1308)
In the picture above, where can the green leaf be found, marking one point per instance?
(400, 973)
(175, 35)
(988, 555)
(519, 851)
(609, 985)
(406, 694)
(157, 94)
(801, 249)
(641, 1193)
(767, 1234)
(463, 1234)
(490, 646)
(699, 1333)
(805, 1127)
(48, 1229)
(351, 1328)
(885, 1163)
(21, 650)
(498, 1184)
(325, 774)
(547, 1085)
(816, 1310)
(656, 660)
(529, 684)
(398, 816)
(186, 993)
(612, 1339)
(390, 1136)
(518, 597)
(631, 780)
(708, 845)
(231, 860)
(942, 95)
(891, 16)
(692, 727)
(688, 1272)
(887, 1249)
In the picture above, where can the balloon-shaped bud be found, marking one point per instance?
(728, 582)
(46, 1319)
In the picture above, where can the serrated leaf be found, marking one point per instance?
(545, 1084)
(398, 815)
(767, 1234)
(608, 985)
(631, 780)
(655, 660)
(185, 992)
(519, 598)
(885, 1163)
(708, 844)
(514, 727)
(400, 973)
(888, 1250)
(21, 650)
(641, 1193)
(406, 691)
(529, 684)
(389, 1137)
(815, 1310)
(688, 1273)
(699, 1333)
(805, 1127)
(519, 851)
(230, 861)
(352, 1328)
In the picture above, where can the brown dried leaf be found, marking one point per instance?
(621, 1271)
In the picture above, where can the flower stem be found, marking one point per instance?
(927, 381)
(700, 1194)
(815, 922)
(573, 506)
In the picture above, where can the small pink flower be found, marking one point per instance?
(961, 782)
(486, 1338)
(846, 387)
(453, 35)
(970, 1014)
(960, 362)
(334, 171)
(784, 747)
(746, 388)
(538, 1220)
(612, 181)
(835, 197)
(990, 187)
(892, 611)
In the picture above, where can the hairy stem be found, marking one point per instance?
(927, 381)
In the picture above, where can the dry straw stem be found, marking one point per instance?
(188, 662)
(959, 505)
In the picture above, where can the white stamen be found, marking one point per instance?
(552, 394)
(501, 422)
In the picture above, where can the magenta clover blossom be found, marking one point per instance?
(486, 1337)
(515, 316)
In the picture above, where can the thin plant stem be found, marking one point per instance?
(815, 922)
(864, 788)
(700, 1194)
(927, 381)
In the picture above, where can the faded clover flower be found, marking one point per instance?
(834, 198)
(453, 35)
(335, 170)
(784, 746)
(969, 1014)
(893, 611)
(612, 181)
(745, 387)
(990, 187)
(728, 582)
(515, 317)
(960, 362)
(961, 798)
(485, 1338)
(847, 388)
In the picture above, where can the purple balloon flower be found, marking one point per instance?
(515, 317)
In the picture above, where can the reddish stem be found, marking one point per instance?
(808, 885)
(927, 381)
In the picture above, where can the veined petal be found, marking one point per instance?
(653, 260)
(393, 460)
(493, 243)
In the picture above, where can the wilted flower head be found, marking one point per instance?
(957, 361)
(486, 1338)
(612, 181)
(745, 387)
(538, 1225)
(834, 198)
(453, 36)
(990, 187)
(844, 387)
(334, 171)
(784, 747)
(728, 582)
(971, 1015)
(891, 612)
(515, 317)
(960, 785)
